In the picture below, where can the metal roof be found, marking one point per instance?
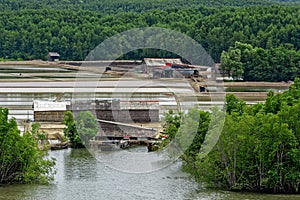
(156, 62)
(53, 54)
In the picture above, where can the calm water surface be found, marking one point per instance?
(82, 176)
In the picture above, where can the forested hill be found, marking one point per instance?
(131, 5)
(30, 29)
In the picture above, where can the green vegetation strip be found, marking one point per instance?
(21, 160)
(258, 149)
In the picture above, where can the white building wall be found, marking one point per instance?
(39, 105)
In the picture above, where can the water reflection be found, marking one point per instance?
(79, 164)
(81, 176)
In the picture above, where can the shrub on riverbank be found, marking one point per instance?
(20, 158)
(81, 129)
(258, 149)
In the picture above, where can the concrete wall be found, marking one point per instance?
(49, 116)
(125, 116)
(108, 129)
(129, 116)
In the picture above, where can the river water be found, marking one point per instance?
(81, 176)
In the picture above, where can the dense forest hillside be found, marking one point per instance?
(30, 29)
(127, 5)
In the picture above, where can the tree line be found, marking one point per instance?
(248, 63)
(258, 148)
(128, 5)
(31, 29)
(31, 33)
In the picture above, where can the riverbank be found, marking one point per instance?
(29, 62)
(82, 176)
(40, 63)
(257, 84)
